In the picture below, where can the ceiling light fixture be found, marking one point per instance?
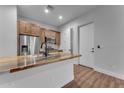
(60, 17)
(48, 9)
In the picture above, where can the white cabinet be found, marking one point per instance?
(49, 76)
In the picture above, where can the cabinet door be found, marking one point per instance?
(58, 38)
(22, 27)
(28, 28)
(47, 33)
(53, 34)
(18, 27)
(42, 35)
(35, 30)
(18, 31)
(50, 34)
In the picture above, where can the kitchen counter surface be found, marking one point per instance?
(18, 63)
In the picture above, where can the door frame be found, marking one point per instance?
(79, 37)
(71, 40)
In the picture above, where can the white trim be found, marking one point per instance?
(120, 76)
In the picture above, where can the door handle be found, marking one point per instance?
(92, 50)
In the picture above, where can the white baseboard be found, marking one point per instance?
(120, 76)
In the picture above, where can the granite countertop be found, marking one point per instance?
(18, 63)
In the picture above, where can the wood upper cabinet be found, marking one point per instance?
(27, 28)
(35, 30)
(53, 34)
(47, 33)
(50, 33)
(42, 35)
(18, 27)
(18, 30)
(58, 38)
(24, 27)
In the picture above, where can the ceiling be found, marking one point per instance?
(36, 13)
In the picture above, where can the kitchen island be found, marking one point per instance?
(34, 71)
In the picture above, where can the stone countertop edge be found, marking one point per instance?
(41, 63)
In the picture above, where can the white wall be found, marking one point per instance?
(65, 29)
(109, 33)
(65, 39)
(8, 36)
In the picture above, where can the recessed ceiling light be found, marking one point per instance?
(46, 10)
(60, 17)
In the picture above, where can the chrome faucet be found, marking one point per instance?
(46, 50)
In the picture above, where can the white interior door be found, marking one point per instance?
(86, 43)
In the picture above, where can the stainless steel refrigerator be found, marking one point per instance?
(29, 45)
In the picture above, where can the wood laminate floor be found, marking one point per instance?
(88, 78)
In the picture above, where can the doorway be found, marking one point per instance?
(86, 44)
